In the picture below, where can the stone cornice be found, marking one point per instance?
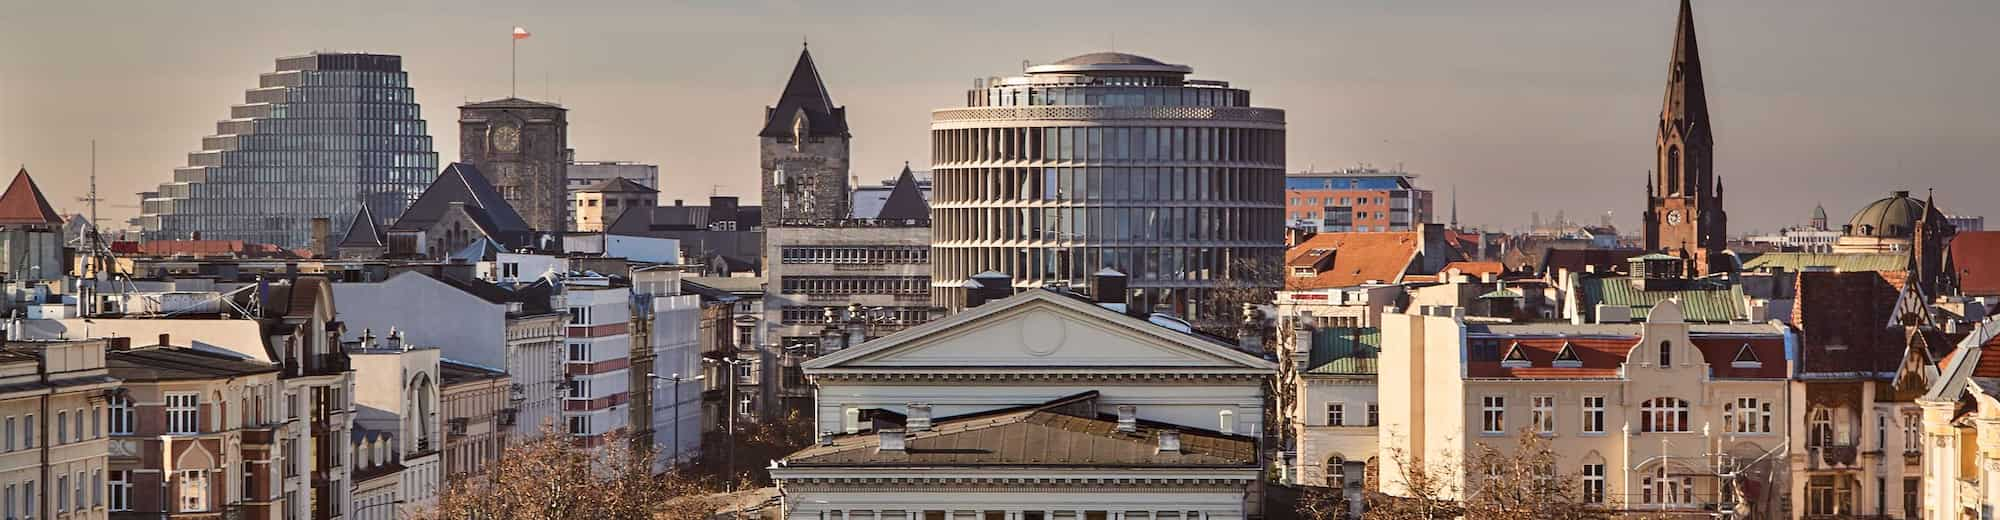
(877, 376)
(1220, 480)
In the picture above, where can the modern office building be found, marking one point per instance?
(317, 139)
(1356, 199)
(522, 147)
(1109, 160)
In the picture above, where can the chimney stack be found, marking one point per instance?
(919, 418)
(975, 294)
(1170, 441)
(321, 227)
(1128, 418)
(1107, 287)
(1250, 337)
(164, 339)
(857, 325)
(893, 439)
(996, 285)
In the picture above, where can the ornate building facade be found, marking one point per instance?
(804, 151)
(522, 147)
(1684, 213)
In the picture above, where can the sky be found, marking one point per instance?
(1522, 106)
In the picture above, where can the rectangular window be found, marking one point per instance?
(579, 389)
(1593, 414)
(28, 431)
(1336, 414)
(579, 352)
(183, 413)
(123, 418)
(1374, 414)
(1910, 496)
(10, 434)
(193, 490)
(62, 427)
(62, 493)
(1545, 414)
(1748, 415)
(579, 425)
(1493, 414)
(1593, 483)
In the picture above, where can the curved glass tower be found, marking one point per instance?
(1109, 160)
(318, 138)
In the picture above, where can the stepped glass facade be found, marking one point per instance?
(320, 137)
(1109, 160)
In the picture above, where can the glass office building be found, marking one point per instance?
(1109, 160)
(318, 138)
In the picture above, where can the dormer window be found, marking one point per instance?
(1516, 357)
(1746, 358)
(1566, 358)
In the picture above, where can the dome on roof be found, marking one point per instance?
(1892, 217)
(1109, 58)
(1819, 211)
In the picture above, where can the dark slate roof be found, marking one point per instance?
(23, 203)
(463, 183)
(511, 102)
(804, 91)
(362, 232)
(1686, 101)
(454, 372)
(618, 185)
(905, 201)
(179, 364)
(1847, 321)
(1053, 434)
(1345, 351)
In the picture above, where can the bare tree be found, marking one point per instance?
(744, 458)
(1428, 491)
(554, 478)
(1525, 484)
(1322, 503)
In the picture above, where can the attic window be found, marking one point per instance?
(1746, 358)
(1566, 358)
(1304, 271)
(1516, 357)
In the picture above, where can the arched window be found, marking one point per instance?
(1336, 472)
(1663, 414)
(1819, 431)
(1673, 170)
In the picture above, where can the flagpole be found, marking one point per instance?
(513, 63)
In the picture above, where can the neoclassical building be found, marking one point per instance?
(1109, 160)
(1044, 405)
(1663, 415)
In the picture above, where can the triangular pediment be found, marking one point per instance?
(1039, 330)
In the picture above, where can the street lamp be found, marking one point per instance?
(729, 408)
(357, 511)
(677, 380)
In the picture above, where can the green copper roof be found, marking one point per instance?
(1499, 294)
(1846, 262)
(1654, 256)
(1345, 351)
(1703, 301)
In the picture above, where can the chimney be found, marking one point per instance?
(1108, 287)
(321, 227)
(1128, 418)
(119, 343)
(975, 294)
(857, 325)
(164, 339)
(1170, 441)
(679, 203)
(996, 285)
(919, 418)
(1250, 337)
(893, 439)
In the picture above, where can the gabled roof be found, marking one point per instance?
(1054, 434)
(805, 92)
(901, 351)
(1355, 258)
(1475, 268)
(905, 201)
(618, 185)
(23, 203)
(1847, 322)
(1969, 364)
(1600, 357)
(463, 183)
(362, 232)
(1976, 255)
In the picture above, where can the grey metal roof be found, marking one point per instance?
(905, 201)
(1051, 434)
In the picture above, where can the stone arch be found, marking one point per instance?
(420, 407)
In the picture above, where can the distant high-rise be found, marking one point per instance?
(1109, 160)
(803, 148)
(522, 147)
(318, 138)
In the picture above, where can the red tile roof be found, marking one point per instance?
(1350, 259)
(1844, 321)
(1599, 357)
(1475, 269)
(1989, 366)
(1977, 257)
(23, 203)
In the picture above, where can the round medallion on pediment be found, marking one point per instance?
(1042, 334)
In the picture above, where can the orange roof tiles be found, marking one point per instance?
(1976, 254)
(1475, 269)
(23, 203)
(1600, 357)
(1350, 259)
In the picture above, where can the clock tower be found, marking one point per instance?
(803, 151)
(1684, 215)
(522, 148)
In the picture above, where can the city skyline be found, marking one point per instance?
(1495, 100)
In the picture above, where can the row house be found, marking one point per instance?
(473, 399)
(54, 461)
(1327, 404)
(598, 360)
(1663, 415)
(398, 439)
(666, 325)
(1961, 430)
(193, 433)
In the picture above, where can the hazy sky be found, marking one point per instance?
(1523, 105)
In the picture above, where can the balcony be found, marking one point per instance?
(265, 435)
(1831, 457)
(458, 426)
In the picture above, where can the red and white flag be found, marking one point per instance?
(520, 33)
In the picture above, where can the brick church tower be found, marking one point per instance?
(803, 150)
(1684, 215)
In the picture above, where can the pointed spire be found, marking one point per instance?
(1686, 104)
(805, 92)
(23, 203)
(362, 231)
(906, 201)
(1454, 206)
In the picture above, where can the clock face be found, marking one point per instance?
(507, 138)
(1674, 217)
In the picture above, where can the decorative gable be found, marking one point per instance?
(1566, 358)
(1515, 358)
(1745, 358)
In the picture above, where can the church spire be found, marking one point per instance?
(1686, 103)
(805, 93)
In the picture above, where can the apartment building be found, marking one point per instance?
(597, 360)
(54, 464)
